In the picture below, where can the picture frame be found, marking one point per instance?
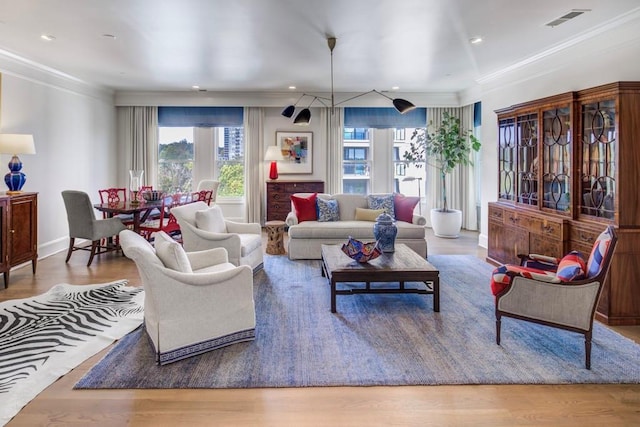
(297, 152)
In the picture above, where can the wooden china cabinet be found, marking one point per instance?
(18, 231)
(569, 165)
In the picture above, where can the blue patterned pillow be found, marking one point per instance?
(327, 210)
(382, 202)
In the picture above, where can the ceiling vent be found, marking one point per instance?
(564, 18)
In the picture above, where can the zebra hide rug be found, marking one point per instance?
(44, 337)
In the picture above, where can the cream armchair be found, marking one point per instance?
(204, 227)
(194, 302)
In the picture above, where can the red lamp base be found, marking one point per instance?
(273, 171)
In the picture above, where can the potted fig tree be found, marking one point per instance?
(444, 146)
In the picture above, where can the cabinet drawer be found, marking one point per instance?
(583, 236)
(540, 244)
(495, 214)
(551, 229)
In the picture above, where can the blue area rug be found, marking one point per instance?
(377, 340)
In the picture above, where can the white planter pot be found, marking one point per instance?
(446, 224)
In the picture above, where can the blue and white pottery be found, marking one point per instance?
(385, 232)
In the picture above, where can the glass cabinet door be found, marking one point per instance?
(527, 138)
(506, 159)
(599, 143)
(556, 159)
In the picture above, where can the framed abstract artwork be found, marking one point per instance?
(297, 152)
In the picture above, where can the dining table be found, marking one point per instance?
(139, 211)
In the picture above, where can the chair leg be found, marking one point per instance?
(94, 249)
(71, 242)
(587, 350)
(498, 326)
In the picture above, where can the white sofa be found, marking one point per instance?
(306, 238)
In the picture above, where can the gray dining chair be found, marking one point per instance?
(84, 225)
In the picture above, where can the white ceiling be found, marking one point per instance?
(268, 45)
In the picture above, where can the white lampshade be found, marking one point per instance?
(273, 154)
(14, 143)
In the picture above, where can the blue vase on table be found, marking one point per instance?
(385, 232)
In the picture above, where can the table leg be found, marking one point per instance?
(436, 294)
(333, 296)
(136, 222)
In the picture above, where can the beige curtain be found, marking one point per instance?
(333, 121)
(254, 163)
(461, 182)
(138, 143)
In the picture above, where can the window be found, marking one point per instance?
(356, 161)
(378, 167)
(188, 154)
(230, 161)
(198, 143)
(175, 159)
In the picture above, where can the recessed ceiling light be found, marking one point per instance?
(109, 36)
(47, 37)
(395, 88)
(475, 40)
(292, 87)
(195, 87)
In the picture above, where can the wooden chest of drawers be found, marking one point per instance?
(279, 196)
(513, 232)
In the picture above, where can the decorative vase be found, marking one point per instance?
(385, 232)
(135, 181)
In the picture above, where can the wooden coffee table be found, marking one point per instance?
(403, 265)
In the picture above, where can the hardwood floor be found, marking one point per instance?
(504, 405)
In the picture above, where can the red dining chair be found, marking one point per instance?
(115, 195)
(202, 196)
(165, 221)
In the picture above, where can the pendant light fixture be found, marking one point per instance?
(304, 116)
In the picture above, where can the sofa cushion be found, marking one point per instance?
(382, 201)
(305, 207)
(327, 210)
(404, 207)
(368, 214)
(347, 204)
(211, 220)
(172, 254)
(360, 230)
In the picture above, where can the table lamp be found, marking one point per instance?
(12, 143)
(273, 154)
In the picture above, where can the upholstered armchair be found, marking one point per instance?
(194, 302)
(83, 224)
(204, 227)
(558, 293)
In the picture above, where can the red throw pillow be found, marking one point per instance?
(404, 207)
(305, 207)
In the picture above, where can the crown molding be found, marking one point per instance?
(18, 66)
(580, 38)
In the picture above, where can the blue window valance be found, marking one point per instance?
(200, 116)
(357, 117)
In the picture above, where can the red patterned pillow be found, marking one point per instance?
(404, 207)
(305, 207)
